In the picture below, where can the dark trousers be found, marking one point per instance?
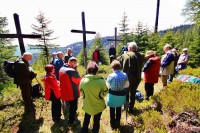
(96, 123)
(26, 92)
(132, 90)
(149, 89)
(72, 110)
(111, 59)
(115, 115)
(55, 106)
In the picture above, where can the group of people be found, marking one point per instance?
(62, 82)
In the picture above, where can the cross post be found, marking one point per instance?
(115, 39)
(84, 32)
(19, 34)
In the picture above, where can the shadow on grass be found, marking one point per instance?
(126, 128)
(62, 127)
(29, 123)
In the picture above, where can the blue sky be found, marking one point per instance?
(101, 15)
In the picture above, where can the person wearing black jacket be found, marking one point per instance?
(112, 53)
(24, 75)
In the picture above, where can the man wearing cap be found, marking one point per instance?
(167, 64)
(132, 63)
(151, 72)
(69, 87)
(183, 59)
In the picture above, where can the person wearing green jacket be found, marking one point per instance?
(94, 89)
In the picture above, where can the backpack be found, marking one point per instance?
(37, 90)
(9, 68)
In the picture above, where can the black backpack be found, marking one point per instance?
(9, 68)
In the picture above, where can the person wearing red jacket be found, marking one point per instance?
(151, 72)
(69, 87)
(52, 92)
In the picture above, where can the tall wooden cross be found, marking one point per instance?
(19, 34)
(115, 39)
(84, 32)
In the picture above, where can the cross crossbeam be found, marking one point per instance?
(84, 32)
(19, 34)
(115, 39)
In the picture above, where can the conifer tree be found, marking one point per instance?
(80, 58)
(6, 49)
(103, 51)
(141, 37)
(44, 42)
(124, 29)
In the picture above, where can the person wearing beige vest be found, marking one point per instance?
(167, 64)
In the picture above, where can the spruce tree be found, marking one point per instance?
(103, 51)
(6, 49)
(124, 29)
(44, 42)
(80, 58)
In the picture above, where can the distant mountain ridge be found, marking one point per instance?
(77, 46)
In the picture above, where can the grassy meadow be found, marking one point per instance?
(155, 115)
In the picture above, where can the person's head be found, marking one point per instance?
(49, 69)
(27, 56)
(97, 48)
(112, 45)
(149, 54)
(115, 65)
(132, 46)
(185, 50)
(60, 55)
(167, 47)
(92, 68)
(69, 51)
(54, 54)
(174, 50)
(73, 62)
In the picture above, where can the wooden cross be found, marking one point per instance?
(115, 39)
(19, 34)
(84, 32)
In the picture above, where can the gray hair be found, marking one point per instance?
(133, 46)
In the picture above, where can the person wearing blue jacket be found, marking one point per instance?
(58, 63)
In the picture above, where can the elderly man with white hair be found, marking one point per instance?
(132, 63)
(23, 78)
(167, 64)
